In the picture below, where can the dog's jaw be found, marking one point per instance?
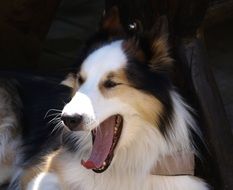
(105, 139)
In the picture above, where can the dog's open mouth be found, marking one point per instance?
(105, 139)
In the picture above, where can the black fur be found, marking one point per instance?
(157, 84)
(38, 134)
(38, 95)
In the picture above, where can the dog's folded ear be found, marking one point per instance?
(151, 46)
(154, 43)
(161, 27)
(160, 59)
(111, 23)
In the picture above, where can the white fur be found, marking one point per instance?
(141, 144)
(45, 181)
(88, 99)
(107, 58)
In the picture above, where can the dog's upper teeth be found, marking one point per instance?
(115, 130)
(118, 120)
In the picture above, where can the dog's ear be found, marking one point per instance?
(111, 23)
(160, 59)
(152, 45)
(160, 27)
(69, 81)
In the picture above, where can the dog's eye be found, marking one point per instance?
(110, 84)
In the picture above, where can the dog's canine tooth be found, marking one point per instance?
(118, 120)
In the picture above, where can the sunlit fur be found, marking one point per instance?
(10, 106)
(142, 144)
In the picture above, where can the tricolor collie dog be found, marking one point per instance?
(124, 117)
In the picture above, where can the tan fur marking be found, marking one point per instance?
(117, 76)
(148, 107)
(161, 57)
(29, 174)
(70, 80)
(46, 166)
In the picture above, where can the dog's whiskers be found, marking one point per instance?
(57, 126)
(56, 118)
(88, 134)
(55, 122)
(53, 114)
(52, 110)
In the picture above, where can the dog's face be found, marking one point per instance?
(116, 86)
(103, 88)
(99, 82)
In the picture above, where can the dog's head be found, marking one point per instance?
(121, 85)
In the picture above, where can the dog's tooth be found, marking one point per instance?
(104, 164)
(115, 129)
(118, 119)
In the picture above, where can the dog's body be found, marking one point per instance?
(10, 106)
(125, 117)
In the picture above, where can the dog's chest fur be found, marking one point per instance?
(77, 177)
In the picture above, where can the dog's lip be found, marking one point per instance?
(105, 140)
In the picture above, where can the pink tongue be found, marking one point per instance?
(102, 144)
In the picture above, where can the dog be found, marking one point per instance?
(125, 116)
(10, 128)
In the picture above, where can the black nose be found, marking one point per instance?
(72, 121)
